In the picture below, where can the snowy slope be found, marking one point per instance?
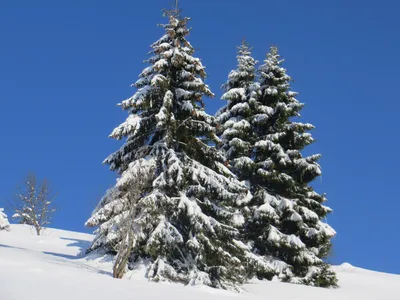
(50, 267)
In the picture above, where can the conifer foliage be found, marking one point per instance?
(174, 192)
(299, 236)
(263, 145)
(236, 129)
(195, 212)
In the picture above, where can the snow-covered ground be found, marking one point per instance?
(50, 267)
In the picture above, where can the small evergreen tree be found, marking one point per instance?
(4, 224)
(173, 190)
(296, 234)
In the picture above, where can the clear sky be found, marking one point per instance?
(64, 65)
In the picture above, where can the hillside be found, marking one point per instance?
(51, 267)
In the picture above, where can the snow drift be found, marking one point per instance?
(52, 267)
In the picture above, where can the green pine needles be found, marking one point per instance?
(213, 200)
(263, 145)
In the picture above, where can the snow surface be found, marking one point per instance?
(51, 267)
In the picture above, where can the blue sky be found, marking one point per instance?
(64, 65)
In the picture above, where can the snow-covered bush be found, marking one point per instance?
(4, 224)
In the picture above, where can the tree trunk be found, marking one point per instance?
(123, 254)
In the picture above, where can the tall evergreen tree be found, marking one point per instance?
(297, 234)
(263, 146)
(238, 119)
(240, 91)
(173, 189)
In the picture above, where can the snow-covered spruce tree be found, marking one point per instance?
(236, 133)
(173, 189)
(238, 137)
(4, 224)
(297, 235)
